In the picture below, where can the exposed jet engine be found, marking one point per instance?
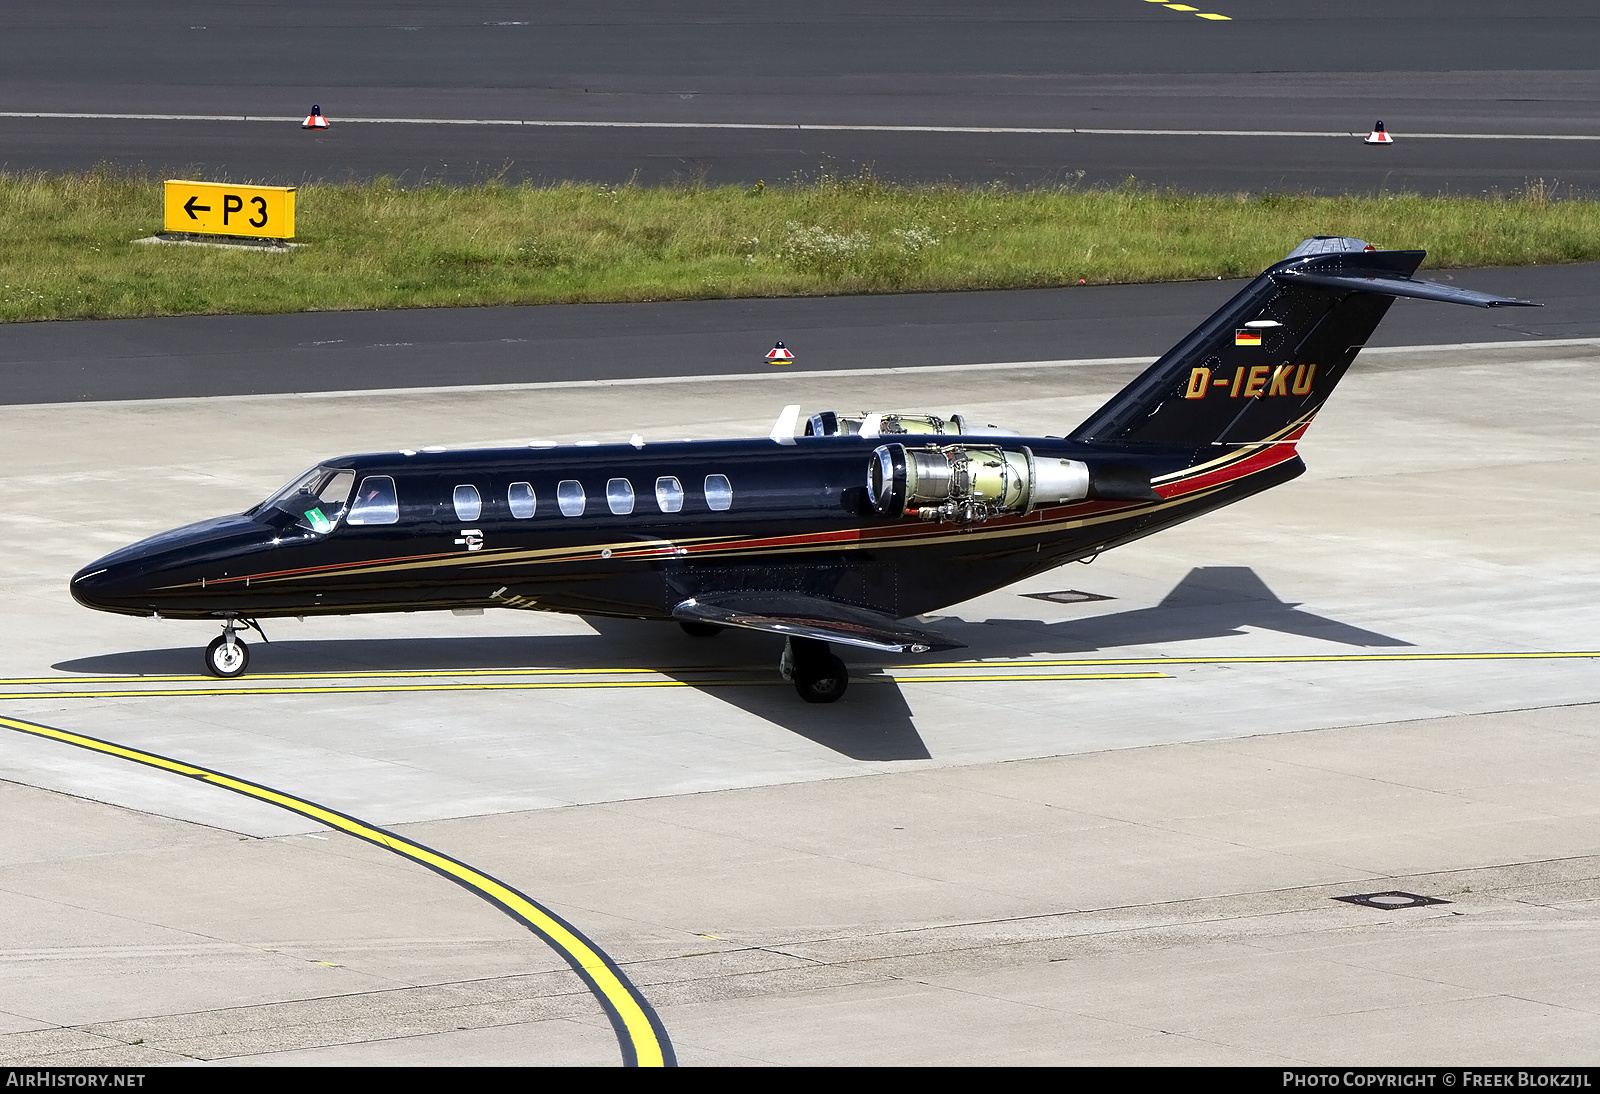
(829, 424)
(968, 483)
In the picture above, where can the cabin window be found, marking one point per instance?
(468, 505)
(619, 496)
(569, 496)
(521, 498)
(669, 494)
(719, 492)
(375, 502)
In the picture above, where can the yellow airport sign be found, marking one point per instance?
(216, 208)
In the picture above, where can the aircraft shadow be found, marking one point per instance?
(873, 721)
(1210, 602)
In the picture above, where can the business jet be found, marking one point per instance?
(835, 530)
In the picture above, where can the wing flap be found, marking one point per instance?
(812, 617)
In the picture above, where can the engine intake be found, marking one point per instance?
(968, 483)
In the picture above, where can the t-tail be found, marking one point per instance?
(1258, 370)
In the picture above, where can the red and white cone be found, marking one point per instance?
(1379, 135)
(315, 120)
(778, 355)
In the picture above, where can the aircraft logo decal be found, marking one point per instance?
(472, 538)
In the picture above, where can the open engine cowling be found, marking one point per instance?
(868, 424)
(969, 482)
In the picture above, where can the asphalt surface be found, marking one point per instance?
(341, 351)
(1450, 68)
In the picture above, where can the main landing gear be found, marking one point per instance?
(228, 656)
(817, 675)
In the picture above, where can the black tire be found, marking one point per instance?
(696, 629)
(822, 681)
(220, 663)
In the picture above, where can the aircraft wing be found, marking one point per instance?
(812, 617)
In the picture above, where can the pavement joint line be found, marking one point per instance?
(775, 375)
(811, 127)
(640, 1033)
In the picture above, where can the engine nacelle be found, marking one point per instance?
(969, 483)
(866, 424)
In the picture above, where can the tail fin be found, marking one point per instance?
(1263, 365)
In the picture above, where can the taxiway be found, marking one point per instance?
(996, 860)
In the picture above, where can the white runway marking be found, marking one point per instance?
(550, 123)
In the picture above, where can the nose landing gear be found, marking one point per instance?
(228, 656)
(816, 674)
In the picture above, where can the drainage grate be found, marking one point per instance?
(1395, 899)
(1067, 596)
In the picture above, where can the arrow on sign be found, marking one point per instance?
(190, 206)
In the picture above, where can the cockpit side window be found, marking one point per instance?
(315, 499)
(335, 493)
(303, 483)
(375, 502)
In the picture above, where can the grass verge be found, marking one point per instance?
(67, 250)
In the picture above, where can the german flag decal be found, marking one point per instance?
(1247, 337)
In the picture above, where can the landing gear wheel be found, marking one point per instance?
(699, 630)
(227, 660)
(822, 680)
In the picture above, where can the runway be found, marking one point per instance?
(1108, 832)
(330, 352)
(1129, 77)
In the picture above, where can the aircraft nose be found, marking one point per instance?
(101, 587)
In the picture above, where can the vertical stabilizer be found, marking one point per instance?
(1264, 363)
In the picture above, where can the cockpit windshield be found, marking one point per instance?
(316, 499)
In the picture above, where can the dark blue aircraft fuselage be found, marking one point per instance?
(797, 519)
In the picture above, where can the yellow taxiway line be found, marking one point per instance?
(1281, 659)
(999, 670)
(1004, 662)
(89, 691)
(640, 1033)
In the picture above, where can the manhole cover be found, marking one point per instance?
(1068, 596)
(1395, 899)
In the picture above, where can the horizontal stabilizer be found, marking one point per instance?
(1400, 286)
(812, 617)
